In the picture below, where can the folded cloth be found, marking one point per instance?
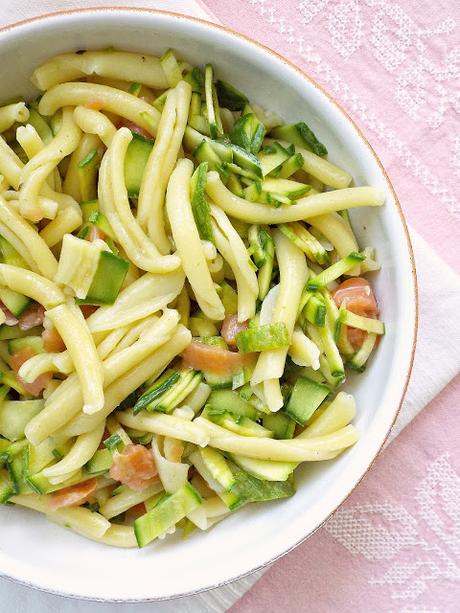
(437, 361)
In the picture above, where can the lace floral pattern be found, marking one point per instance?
(415, 547)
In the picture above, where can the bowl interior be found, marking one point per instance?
(37, 552)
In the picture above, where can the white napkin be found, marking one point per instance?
(437, 362)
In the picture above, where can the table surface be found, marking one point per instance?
(395, 68)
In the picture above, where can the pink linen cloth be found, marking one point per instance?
(395, 67)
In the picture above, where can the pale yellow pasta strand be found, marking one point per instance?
(122, 65)
(10, 164)
(107, 98)
(94, 122)
(304, 208)
(141, 329)
(80, 345)
(50, 207)
(337, 415)
(16, 242)
(293, 276)
(36, 171)
(155, 177)
(29, 139)
(110, 342)
(58, 412)
(117, 83)
(235, 253)
(238, 248)
(187, 241)
(303, 350)
(80, 520)
(335, 229)
(292, 450)
(148, 287)
(30, 284)
(45, 362)
(4, 185)
(125, 385)
(114, 203)
(12, 113)
(66, 221)
(156, 217)
(166, 425)
(11, 168)
(82, 451)
(29, 194)
(133, 314)
(117, 536)
(245, 296)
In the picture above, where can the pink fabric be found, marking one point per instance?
(399, 548)
(395, 67)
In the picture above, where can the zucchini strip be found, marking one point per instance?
(80, 345)
(128, 498)
(327, 202)
(320, 168)
(108, 98)
(89, 143)
(188, 243)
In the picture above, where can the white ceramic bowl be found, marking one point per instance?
(38, 553)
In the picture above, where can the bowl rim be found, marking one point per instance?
(306, 77)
